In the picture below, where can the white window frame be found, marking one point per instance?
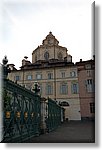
(73, 74)
(49, 89)
(38, 76)
(63, 88)
(50, 75)
(90, 85)
(63, 74)
(75, 90)
(17, 76)
(29, 77)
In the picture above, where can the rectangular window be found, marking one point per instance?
(17, 78)
(92, 107)
(63, 89)
(63, 74)
(50, 75)
(88, 66)
(75, 88)
(89, 81)
(73, 74)
(29, 77)
(90, 86)
(49, 89)
(38, 76)
(89, 73)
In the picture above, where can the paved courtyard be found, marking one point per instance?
(69, 132)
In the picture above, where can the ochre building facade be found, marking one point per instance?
(56, 74)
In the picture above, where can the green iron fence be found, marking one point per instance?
(54, 115)
(22, 113)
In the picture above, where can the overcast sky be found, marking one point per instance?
(25, 23)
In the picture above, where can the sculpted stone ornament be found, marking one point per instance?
(46, 55)
(6, 70)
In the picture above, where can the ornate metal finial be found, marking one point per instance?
(5, 60)
(36, 88)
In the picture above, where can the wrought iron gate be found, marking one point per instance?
(21, 113)
(54, 115)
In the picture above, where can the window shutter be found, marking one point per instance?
(72, 88)
(66, 89)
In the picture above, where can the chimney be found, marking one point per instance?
(80, 60)
(23, 62)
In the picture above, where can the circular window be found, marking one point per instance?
(46, 55)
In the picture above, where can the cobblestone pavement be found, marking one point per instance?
(70, 132)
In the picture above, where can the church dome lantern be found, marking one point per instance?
(50, 40)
